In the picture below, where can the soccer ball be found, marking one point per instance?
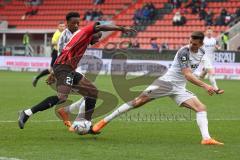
(82, 126)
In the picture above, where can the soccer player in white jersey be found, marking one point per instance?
(173, 84)
(210, 45)
(54, 54)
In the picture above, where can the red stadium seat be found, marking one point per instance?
(122, 12)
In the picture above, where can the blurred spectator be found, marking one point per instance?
(153, 43)
(195, 8)
(137, 16)
(135, 44)
(228, 18)
(26, 43)
(31, 10)
(209, 18)
(176, 3)
(194, 5)
(99, 14)
(203, 3)
(93, 15)
(164, 46)
(87, 15)
(223, 19)
(146, 13)
(202, 14)
(223, 12)
(32, 2)
(152, 10)
(234, 17)
(178, 19)
(225, 39)
(96, 2)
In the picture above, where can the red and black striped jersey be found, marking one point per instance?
(76, 47)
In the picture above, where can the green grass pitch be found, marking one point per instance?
(133, 136)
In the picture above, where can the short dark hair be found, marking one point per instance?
(71, 15)
(197, 35)
(61, 22)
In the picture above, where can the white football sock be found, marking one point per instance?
(28, 112)
(81, 111)
(202, 122)
(74, 107)
(123, 108)
(213, 81)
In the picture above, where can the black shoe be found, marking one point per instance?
(92, 132)
(22, 119)
(34, 82)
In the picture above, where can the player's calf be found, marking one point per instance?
(64, 116)
(45, 104)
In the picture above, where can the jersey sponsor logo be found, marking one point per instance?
(194, 66)
(209, 46)
(184, 59)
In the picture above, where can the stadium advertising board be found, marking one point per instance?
(118, 66)
(140, 67)
(220, 56)
(21, 62)
(227, 56)
(94, 52)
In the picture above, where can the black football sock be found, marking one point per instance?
(89, 107)
(45, 104)
(43, 73)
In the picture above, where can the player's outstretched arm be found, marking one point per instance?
(194, 80)
(114, 28)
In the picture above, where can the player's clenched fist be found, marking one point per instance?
(51, 79)
(209, 89)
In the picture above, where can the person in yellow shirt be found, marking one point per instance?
(55, 38)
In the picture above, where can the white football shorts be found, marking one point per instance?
(160, 88)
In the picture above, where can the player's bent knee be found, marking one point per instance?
(200, 108)
(62, 98)
(93, 93)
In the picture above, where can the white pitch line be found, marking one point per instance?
(7, 158)
(179, 120)
(126, 120)
(34, 121)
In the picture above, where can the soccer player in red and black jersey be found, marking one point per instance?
(64, 71)
(60, 38)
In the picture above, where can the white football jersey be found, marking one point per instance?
(183, 59)
(63, 40)
(209, 45)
